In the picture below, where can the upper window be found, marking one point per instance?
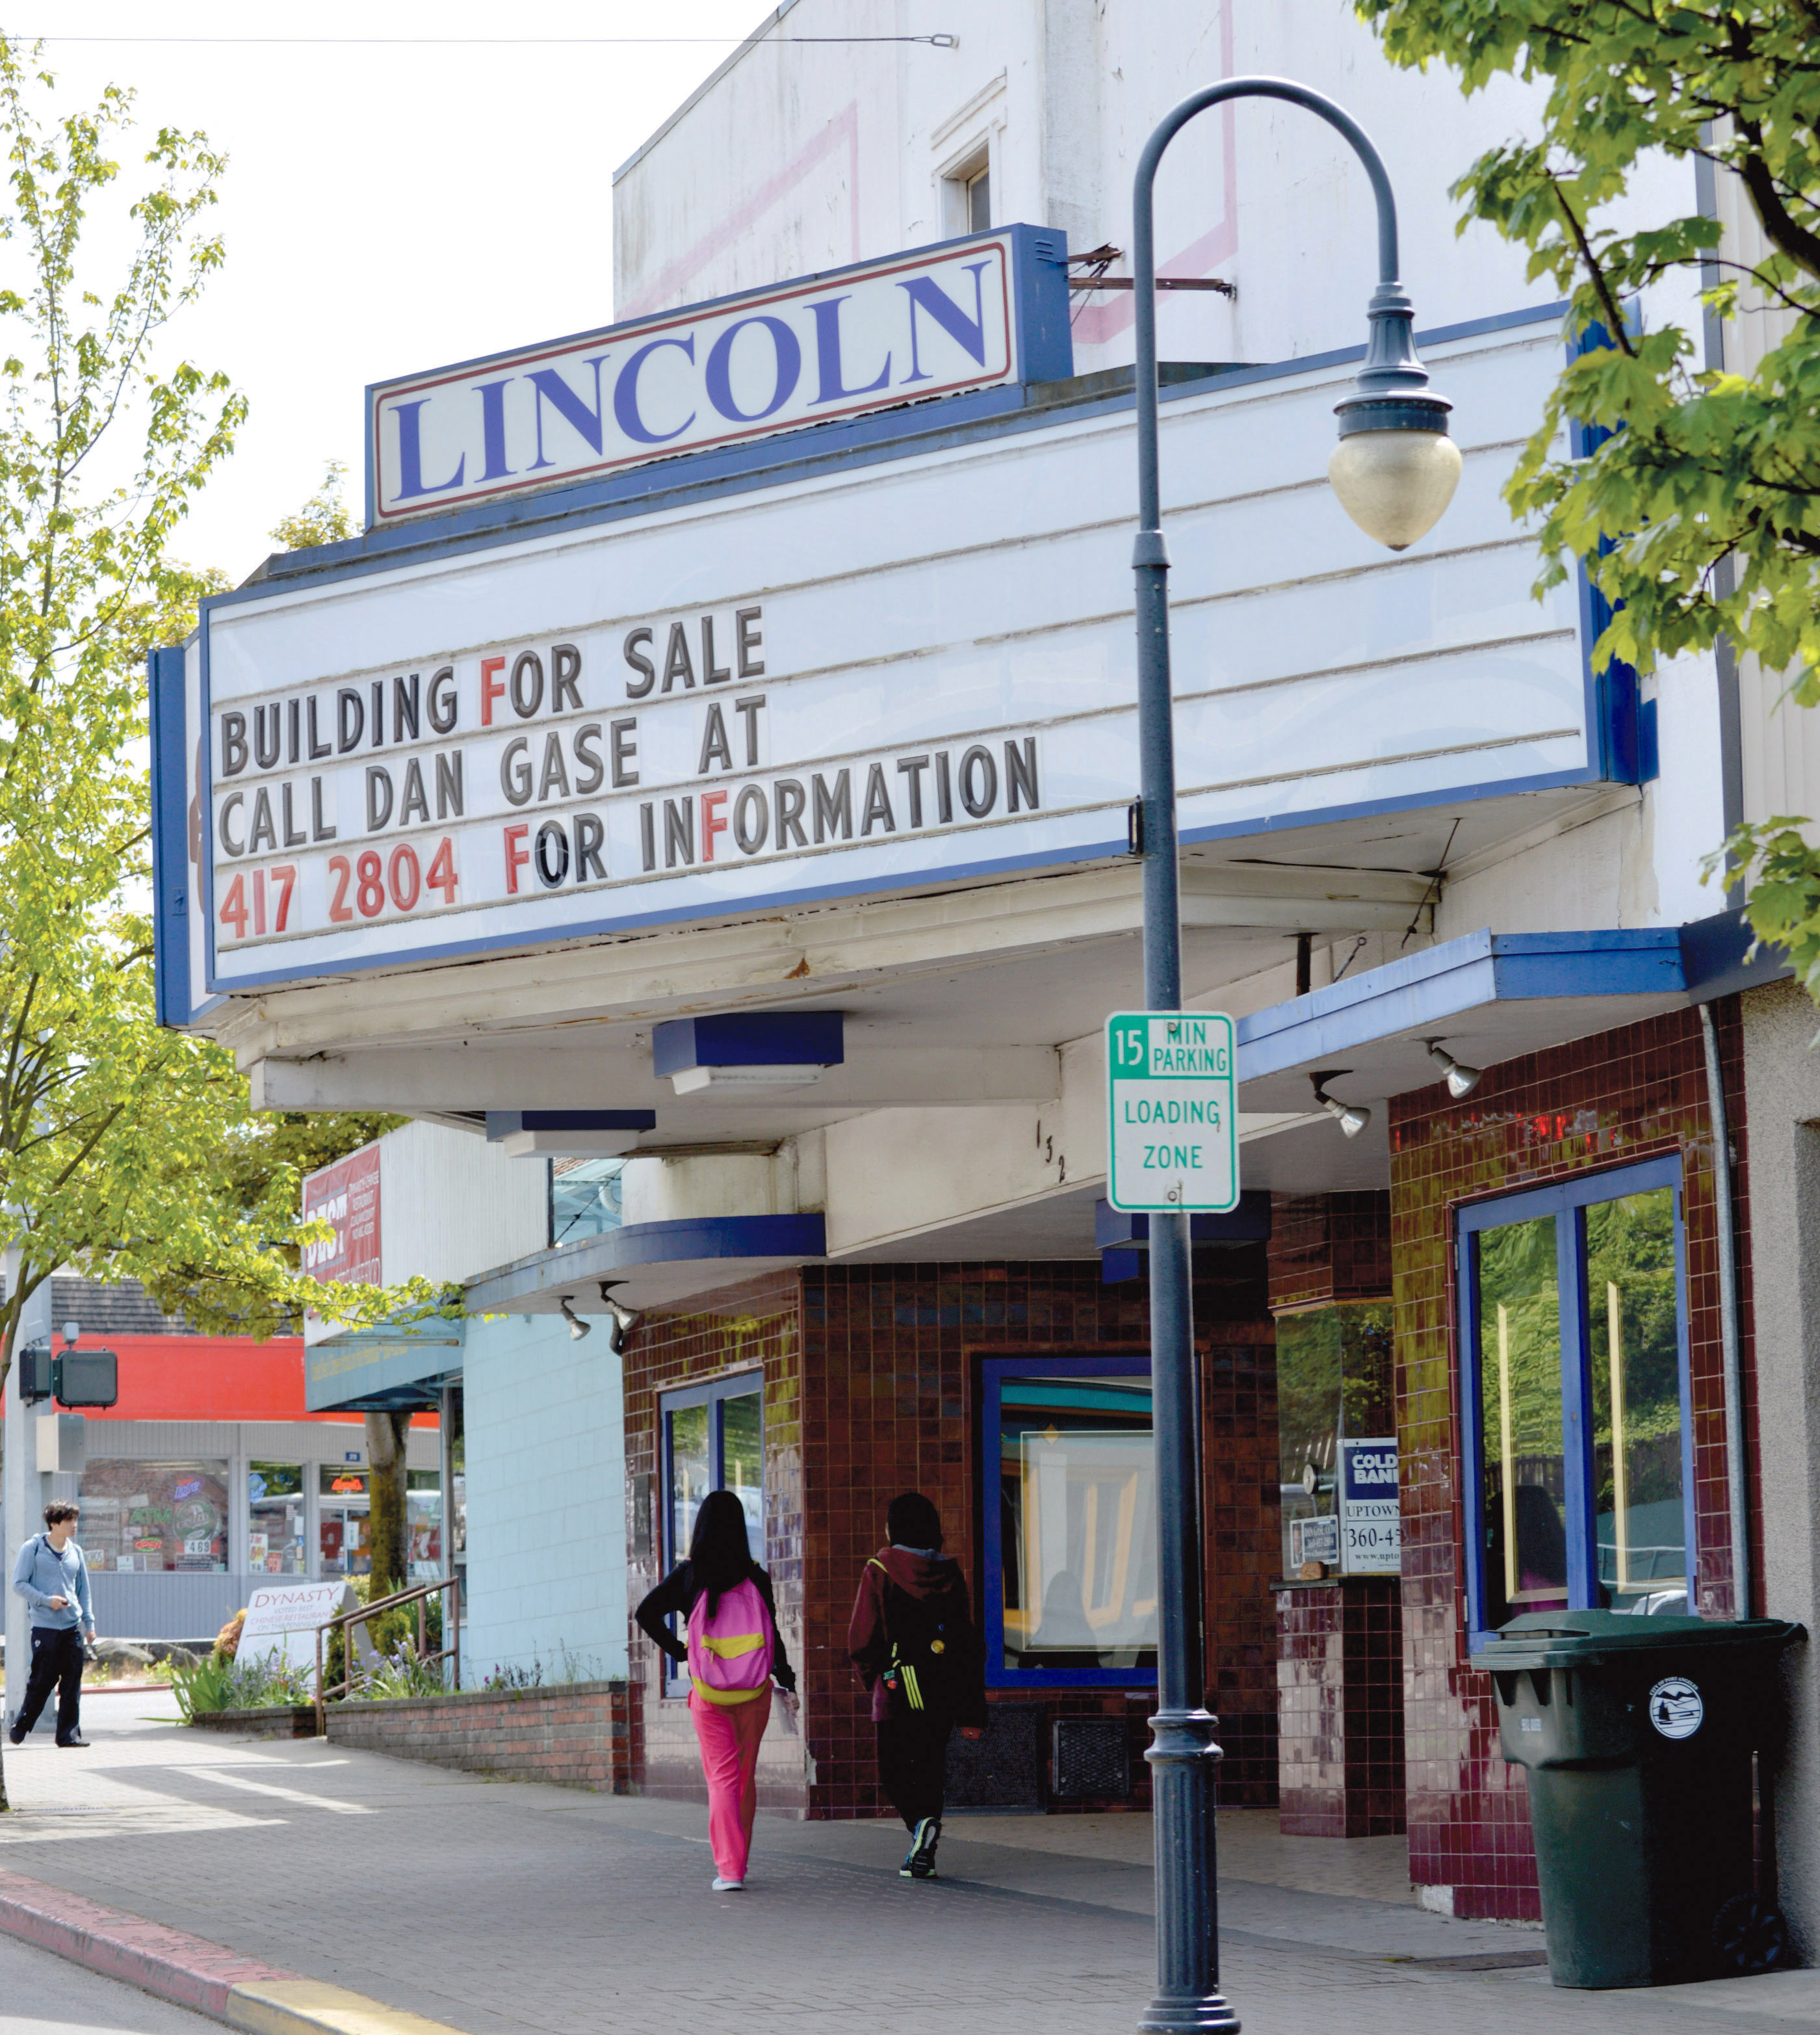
(967, 194)
(1069, 1454)
(1574, 1398)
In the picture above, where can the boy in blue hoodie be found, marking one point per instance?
(52, 1576)
(912, 1639)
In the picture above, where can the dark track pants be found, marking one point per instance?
(56, 1662)
(912, 1752)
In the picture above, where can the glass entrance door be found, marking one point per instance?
(712, 1439)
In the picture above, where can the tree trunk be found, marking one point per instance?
(385, 1434)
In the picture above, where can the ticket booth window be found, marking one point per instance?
(712, 1439)
(277, 1542)
(1070, 1591)
(1575, 1398)
(344, 1532)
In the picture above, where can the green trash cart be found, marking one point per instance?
(1637, 1735)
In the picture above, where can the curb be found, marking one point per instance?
(190, 1971)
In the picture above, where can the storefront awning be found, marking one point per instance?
(650, 1264)
(1487, 998)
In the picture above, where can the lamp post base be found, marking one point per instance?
(1184, 1758)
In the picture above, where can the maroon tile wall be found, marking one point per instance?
(1328, 1247)
(1339, 1685)
(869, 1377)
(1603, 1101)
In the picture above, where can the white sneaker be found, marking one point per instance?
(728, 1885)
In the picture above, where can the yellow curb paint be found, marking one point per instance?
(307, 2006)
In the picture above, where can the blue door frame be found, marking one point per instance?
(1567, 1202)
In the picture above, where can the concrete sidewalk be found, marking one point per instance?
(505, 1906)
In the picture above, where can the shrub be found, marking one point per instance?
(228, 1639)
(224, 1684)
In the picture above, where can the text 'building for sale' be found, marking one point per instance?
(703, 791)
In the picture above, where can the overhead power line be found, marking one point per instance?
(485, 42)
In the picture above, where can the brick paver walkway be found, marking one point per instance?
(501, 1907)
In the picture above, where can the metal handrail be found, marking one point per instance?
(418, 1594)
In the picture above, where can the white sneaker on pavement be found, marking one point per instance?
(728, 1885)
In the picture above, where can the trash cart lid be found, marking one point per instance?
(1594, 1639)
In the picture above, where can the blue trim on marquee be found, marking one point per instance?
(1462, 974)
(868, 440)
(748, 1039)
(1567, 1202)
(169, 839)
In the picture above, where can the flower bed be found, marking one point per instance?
(268, 1721)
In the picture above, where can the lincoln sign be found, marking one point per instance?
(928, 324)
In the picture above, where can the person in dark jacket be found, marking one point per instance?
(728, 1725)
(912, 1639)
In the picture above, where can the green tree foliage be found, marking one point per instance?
(1701, 515)
(123, 1149)
(323, 519)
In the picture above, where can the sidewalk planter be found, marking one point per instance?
(1637, 1735)
(268, 1721)
(576, 1734)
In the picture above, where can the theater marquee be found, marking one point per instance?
(891, 655)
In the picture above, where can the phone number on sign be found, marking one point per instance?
(260, 902)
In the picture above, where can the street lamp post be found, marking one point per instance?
(1394, 470)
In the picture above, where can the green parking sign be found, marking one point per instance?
(1173, 1134)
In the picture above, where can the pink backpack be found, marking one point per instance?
(730, 1653)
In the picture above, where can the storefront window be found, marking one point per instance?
(584, 1197)
(712, 1439)
(277, 1544)
(1640, 1501)
(344, 1534)
(1575, 1394)
(1070, 1594)
(1520, 1418)
(423, 1506)
(1333, 1381)
(149, 1517)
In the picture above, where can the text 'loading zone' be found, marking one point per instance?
(1172, 1146)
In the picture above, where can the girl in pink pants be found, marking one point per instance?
(723, 1598)
(729, 1740)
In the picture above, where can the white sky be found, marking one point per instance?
(385, 209)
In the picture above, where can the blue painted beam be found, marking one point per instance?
(1421, 992)
(502, 1123)
(576, 1267)
(749, 1039)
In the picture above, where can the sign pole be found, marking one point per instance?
(1183, 1754)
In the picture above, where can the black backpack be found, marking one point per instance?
(931, 1647)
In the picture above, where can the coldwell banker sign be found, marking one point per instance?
(928, 324)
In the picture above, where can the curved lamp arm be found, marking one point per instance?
(1393, 385)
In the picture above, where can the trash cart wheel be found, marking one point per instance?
(1750, 1935)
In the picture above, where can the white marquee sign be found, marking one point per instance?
(841, 683)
